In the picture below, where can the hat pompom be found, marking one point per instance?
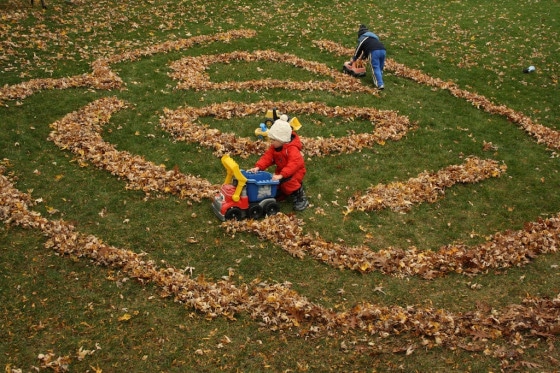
(280, 131)
(362, 30)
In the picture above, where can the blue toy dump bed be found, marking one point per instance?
(260, 185)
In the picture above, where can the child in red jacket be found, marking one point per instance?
(285, 153)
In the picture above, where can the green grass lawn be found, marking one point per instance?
(72, 312)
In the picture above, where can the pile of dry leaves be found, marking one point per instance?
(102, 77)
(279, 307)
(427, 187)
(190, 71)
(543, 134)
(388, 125)
(80, 132)
(503, 250)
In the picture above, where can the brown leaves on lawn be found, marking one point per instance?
(190, 71)
(427, 187)
(543, 134)
(180, 123)
(102, 77)
(56, 364)
(503, 250)
(80, 132)
(210, 298)
(277, 306)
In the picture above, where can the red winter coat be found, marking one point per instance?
(289, 163)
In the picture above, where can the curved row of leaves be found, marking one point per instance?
(279, 307)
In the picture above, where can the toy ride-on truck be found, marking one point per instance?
(245, 194)
(356, 69)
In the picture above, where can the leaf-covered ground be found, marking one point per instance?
(78, 45)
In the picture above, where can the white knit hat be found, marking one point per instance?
(281, 131)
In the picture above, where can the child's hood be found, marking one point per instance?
(296, 141)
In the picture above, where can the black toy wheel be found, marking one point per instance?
(234, 213)
(271, 208)
(255, 212)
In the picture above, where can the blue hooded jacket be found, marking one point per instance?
(364, 32)
(367, 34)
